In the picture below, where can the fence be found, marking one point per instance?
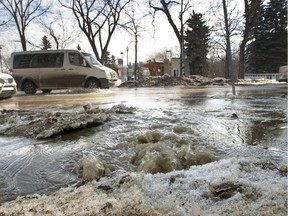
(268, 76)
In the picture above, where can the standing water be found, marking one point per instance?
(171, 129)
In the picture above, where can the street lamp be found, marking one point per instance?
(122, 63)
(1, 59)
(127, 49)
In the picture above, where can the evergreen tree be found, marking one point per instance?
(45, 43)
(196, 45)
(268, 51)
(110, 61)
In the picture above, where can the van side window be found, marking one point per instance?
(43, 60)
(76, 59)
(22, 61)
(60, 60)
(50, 60)
(34, 61)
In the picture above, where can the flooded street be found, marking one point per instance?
(172, 129)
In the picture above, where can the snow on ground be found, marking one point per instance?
(235, 186)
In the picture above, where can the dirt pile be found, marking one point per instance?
(164, 81)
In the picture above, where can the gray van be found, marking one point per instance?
(59, 69)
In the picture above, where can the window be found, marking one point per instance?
(76, 59)
(90, 58)
(44, 60)
(22, 61)
(50, 60)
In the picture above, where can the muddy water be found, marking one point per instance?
(173, 128)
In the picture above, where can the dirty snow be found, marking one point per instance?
(44, 124)
(261, 189)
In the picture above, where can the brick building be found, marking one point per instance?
(159, 68)
(155, 68)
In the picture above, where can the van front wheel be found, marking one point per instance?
(92, 83)
(28, 87)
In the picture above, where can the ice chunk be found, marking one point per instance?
(156, 157)
(93, 168)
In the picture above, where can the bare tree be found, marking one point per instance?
(3, 20)
(227, 26)
(165, 53)
(228, 41)
(63, 31)
(23, 12)
(230, 25)
(135, 29)
(98, 21)
(250, 13)
(222, 29)
(165, 6)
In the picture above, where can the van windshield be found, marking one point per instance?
(91, 59)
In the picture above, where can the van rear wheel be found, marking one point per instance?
(29, 87)
(92, 83)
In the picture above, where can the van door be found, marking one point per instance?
(53, 73)
(25, 67)
(78, 69)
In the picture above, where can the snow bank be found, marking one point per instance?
(252, 187)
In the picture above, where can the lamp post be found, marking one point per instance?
(1, 59)
(122, 63)
(127, 49)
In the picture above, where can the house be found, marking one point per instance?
(156, 68)
(159, 68)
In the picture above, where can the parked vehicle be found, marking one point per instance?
(59, 69)
(8, 86)
(282, 75)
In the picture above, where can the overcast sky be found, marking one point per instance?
(153, 39)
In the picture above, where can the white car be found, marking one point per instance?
(283, 74)
(8, 86)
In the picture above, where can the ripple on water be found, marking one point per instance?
(181, 133)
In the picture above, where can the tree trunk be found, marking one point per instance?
(23, 42)
(136, 50)
(242, 59)
(228, 63)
